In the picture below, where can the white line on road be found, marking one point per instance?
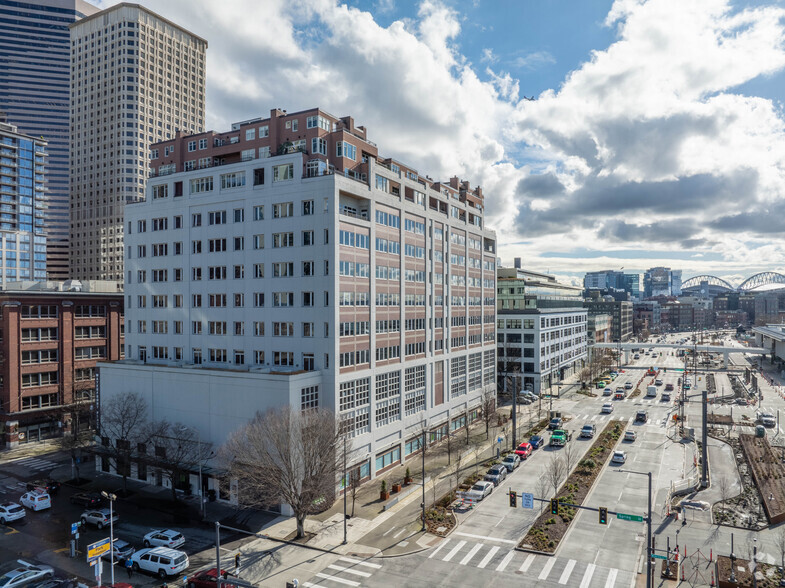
(527, 563)
(587, 576)
(455, 550)
(565, 575)
(401, 532)
(361, 563)
(388, 531)
(505, 561)
(442, 544)
(312, 585)
(349, 570)
(471, 554)
(337, 579)
(488, 557)
(611, 578)
(486, 538)
(500, 522)
(547, 569)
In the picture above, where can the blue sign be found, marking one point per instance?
(527, 500)
(499, 439)
(74, 527)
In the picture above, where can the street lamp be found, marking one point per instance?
(199, 445)
(111, 498)
(648, 526)
(345, 489)
(422, 449)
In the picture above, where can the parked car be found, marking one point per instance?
(496, 474)
(619, 457)
(122, 550)
(524, 450)
(607, 408)
(536, 441)
(11, 511)
(52, 487)
(206, 578)
(165, 538)
(25, 574)
(99, 517)
(637, 356)
(161, 561)
(480, 490)
(86, 499)
(630, 436)
(641, 416)
(556, 423)
(35, 500)
(511, 461)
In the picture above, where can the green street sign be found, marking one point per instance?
(629, 517)
(656, 556)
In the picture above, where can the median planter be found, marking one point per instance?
(396, 488)
(384, 494)
(407, 478)
(548, 530)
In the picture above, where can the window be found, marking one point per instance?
(160, 191)
(191, 146)
(283, 240)
(239, 272)
(319, 145)
(313, 122)
(308, 268)
(283, 329)
(217, 217)
(283, 269)
(309, 397)
(283, 210)
(347, 150)
(258, 270)
(381, 183)
(250, 134)
(239, 243)
(308, 207)
(216, 245)
(233, 180)
(239, 215)
(199, 185)
(308, 299)
(308, 238)
(283, 299)
(216, 300)
(258, 299)
(258, 174)
(217, 355)
(196, 219)
(283, 358)
(202, 144)
(282, 172)
(258, 212)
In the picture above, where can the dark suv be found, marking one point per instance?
(641, 416)
(51, 486)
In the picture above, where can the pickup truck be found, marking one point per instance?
(560, 437)
(588, 431)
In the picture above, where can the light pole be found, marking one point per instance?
(424, 441)
(345, 489)
(648, 526)
(111, 498)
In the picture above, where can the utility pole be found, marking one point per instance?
(218, 575)
(705, 439)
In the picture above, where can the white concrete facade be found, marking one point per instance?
(379, 306)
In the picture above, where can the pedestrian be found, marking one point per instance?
(129, 567)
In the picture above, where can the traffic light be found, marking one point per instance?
(554, 506)
(513, 499)
(603, 515)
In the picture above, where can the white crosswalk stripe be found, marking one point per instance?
(505, 561)
(587, 576)
(547, 569)
(565, 575)
(455, 550)
(472, 552)
(435, 551)
(488, 557)
(611, 578)
(527, 563)
(346, 571)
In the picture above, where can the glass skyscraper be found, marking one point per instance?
(35, 54)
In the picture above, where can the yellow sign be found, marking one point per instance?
(96, 550)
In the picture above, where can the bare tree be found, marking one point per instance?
(79, 437)
(723, 487)
(570, 455)
(286, 455)
(457, 474)
(124, 427)
(542, 488)
(488, 409)
(178, 452)
(354, 483)
(555, 472)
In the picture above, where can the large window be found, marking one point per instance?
(283, 172)
(199, 185)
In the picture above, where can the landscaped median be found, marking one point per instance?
(549, 529)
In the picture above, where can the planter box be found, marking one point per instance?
(396, 488)
(384, 495)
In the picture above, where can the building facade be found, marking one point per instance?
(599, 329)
(662, 281)
(265, 275)
(621, 316)
(137, 78)
(23, 202)
(51, 340)
(35, 48)
(541, 329)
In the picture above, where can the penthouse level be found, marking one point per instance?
(329, 145)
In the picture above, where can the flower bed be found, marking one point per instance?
(439, 521)
(768, 473)
(548, 530)
(767, 575)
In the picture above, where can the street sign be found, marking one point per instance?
(499, 439)
(657, 556)
(527, 500)
(74, 528)
(629, 517)
(97, 549)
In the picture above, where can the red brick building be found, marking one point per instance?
(50, 340)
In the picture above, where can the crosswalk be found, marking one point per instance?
(556, 571)
(597, 418)
(346, 571)
(35, 464)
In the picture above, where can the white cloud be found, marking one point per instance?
(533, 60)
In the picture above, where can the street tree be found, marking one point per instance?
(488, 409)
(80, 433)
(541, 486)
(571, 456)
(124, 428)
(286, 455)
(555, 472)
(178, 451)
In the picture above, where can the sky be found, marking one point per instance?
(605, 134)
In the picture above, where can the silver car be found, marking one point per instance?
(25, 574)
(99, 517)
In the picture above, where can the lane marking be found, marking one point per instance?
(442, 544)
(565, 575)
(401, 532)
(388, 531)
(505, 561)
(486, 538)
(547, 569)
(527, 563)
(337, 579)
(455, 550)
(361, 563)
(349, 570)
(488, 557)
(611, 578)
(312, 585)
(587, 576)
(471, 553)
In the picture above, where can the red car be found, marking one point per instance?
(205, 579)
(524, 450)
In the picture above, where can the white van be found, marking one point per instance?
(36, 500)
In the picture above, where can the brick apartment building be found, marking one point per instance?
(50, 340)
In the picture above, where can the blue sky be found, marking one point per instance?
(657, 136)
